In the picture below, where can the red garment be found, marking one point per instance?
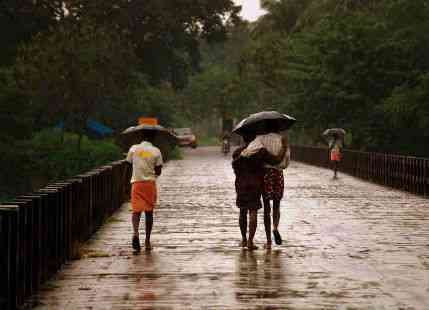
(335, 155)
(273, 184)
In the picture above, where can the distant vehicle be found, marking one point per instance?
(186, 137)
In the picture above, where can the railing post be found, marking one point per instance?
(37, 236)
(10, 251)
(23, 259)
(52, 227)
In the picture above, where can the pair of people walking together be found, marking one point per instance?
(258, 166)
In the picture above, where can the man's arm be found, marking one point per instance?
(267, 157)
(129, 161)
(158, 164)
(237, 152)
(158, 170)
(271, 159)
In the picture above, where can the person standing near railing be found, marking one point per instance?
(335, 150)
(146, 161)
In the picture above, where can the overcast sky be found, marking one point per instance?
(251, 9)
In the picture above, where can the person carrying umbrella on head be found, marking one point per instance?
(146, 162)
(268, 126)
(335, 137)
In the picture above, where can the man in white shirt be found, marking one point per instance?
(146, 161)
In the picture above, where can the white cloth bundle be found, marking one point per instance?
(273, 143)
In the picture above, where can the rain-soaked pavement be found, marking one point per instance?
(349, 245)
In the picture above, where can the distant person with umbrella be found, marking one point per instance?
(268, 125)
(335, 137)
(146, 161)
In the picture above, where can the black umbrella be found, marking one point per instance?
(142, 128)
(135, 134)
(263, 122)
(331, 132)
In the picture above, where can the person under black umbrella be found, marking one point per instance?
(268, 125)
(249, 186)
(273, 190)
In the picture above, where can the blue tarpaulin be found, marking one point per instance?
(94, 127)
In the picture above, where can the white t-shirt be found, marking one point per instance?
(272, 142)
(144, 157)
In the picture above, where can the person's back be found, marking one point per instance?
(249, 179)
(144, 157)
(146, 161)
(275, 144)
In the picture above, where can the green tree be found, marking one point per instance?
(20, 20)
(165, 34)
(345, 63)
(71, 72)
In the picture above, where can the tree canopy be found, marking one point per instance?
(360, 65)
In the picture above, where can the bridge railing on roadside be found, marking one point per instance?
(42, 230)
(402, 172)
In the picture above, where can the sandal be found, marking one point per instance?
(136, 244)
(277, 237)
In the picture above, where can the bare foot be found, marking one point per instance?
(251, 245)
(147, 246)
(243, 243)
(268, 245)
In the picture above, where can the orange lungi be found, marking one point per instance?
(143, 196)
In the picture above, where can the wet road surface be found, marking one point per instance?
(348, 244)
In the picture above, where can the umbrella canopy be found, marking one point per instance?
(263, 122)
(142, 128)
(135, 134)
(331, 132)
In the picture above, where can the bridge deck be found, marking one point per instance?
(349, 245)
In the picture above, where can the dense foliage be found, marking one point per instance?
(358, 64)
(112, 61)
(51, 155)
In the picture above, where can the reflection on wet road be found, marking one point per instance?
(348, 245)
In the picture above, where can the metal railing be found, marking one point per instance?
(42, 230)
(407, 173)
